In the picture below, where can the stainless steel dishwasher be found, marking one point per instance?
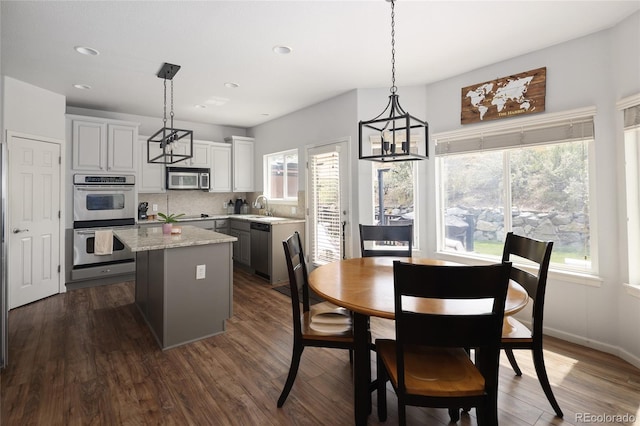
(260, 248)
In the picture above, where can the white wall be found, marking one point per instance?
(595, 70)
(32, 110)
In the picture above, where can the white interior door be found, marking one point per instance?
(34, 222)
(328, 202)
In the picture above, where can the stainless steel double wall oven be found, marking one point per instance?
(101, 202)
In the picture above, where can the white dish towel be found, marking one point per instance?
(103, 244)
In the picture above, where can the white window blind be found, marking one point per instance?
(632, 117)
(326, 236)
(571, 131)
(548, 128)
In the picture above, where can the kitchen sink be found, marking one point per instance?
(262, 217)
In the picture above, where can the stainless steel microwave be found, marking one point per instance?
(187, 178)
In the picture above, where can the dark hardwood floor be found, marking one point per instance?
(87, 358)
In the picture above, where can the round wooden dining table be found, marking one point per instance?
(365, 286)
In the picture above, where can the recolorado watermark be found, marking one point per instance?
(605, 418)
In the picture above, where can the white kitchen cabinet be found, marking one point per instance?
(103, 145)
(242, 157)
(200, 158)
(220, 177)
(150, 175)
(241, 248)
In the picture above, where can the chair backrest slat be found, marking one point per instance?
(392, 233)
(481, 330)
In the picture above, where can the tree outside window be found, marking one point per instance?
(544, 188)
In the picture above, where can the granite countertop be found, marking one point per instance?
(273, 220)
(152, 238)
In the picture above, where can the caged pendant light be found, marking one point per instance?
(394, 135)
(167, 138)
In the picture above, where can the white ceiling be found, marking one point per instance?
(337, 46)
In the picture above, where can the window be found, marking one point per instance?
(532, 179)
(632, 180)
(281, 176)
(393, 194)
(328, 199)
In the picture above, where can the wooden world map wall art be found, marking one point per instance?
(504, 97)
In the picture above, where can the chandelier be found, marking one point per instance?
(394, 135)
(167, 138)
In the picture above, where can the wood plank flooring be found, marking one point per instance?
(87, 358)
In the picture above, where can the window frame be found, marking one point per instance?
(416, 201)
(267, 190)
(631, 143)
(587, 276)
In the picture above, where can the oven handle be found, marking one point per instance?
(81, 188)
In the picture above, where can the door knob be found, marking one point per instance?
(17, 231)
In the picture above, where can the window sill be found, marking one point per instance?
(568, 276)
(291, 201)
(633, 290)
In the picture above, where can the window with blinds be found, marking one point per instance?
(528, 176)
(326, 241)
(631, 111)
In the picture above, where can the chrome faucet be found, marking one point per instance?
(258, 205)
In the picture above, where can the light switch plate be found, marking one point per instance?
(201, 272)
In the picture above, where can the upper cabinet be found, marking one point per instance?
(103, 145)
(200, 154)
(242, 152)
(150, 175)
(220, 177)
(215, 156)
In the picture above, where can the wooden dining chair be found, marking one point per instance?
(395, 234)
(323, 325)
(427, 363)
(516, 335)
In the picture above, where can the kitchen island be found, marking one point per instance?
(184, 282)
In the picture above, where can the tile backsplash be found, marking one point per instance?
(197, 202)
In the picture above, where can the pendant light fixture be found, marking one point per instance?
(394, 135)
(167, 138)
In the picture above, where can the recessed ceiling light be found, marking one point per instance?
(82, 86)
(265, 114)
(201, 106)
(231, 85)
(84, 50)
(281, 50)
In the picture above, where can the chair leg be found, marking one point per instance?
(402, 413)
(382, 389)
(454, 414)
(487, 413)
(293, 371)
(541, 371)
(512, 361)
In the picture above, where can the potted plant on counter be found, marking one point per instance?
(169, 220)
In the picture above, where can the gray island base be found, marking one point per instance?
(184, 282)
